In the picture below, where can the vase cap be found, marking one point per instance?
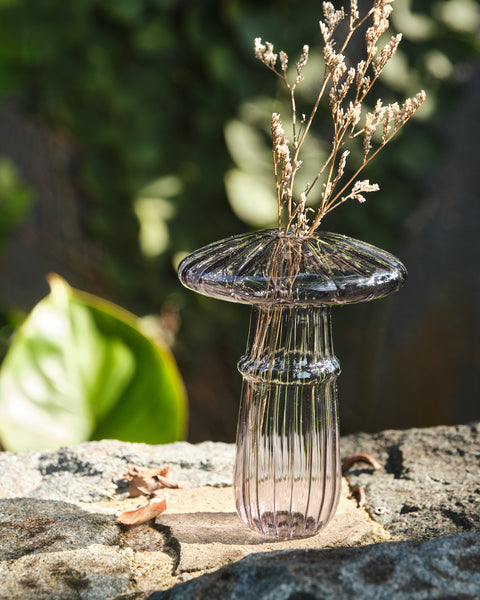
(264, 268)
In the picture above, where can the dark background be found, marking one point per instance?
(115, 149)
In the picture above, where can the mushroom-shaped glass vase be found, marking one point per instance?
(287, 473)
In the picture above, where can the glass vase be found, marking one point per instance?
(287, 470)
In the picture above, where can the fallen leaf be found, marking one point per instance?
(166, 482)
(365, 458)
(148, 481)
(359, 493)
(144, 513)
(133, 472)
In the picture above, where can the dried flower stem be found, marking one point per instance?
(348, 89)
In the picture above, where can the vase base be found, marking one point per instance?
(285, 525)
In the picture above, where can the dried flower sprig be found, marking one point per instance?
(347, 90)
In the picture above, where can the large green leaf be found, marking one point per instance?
(79, 368)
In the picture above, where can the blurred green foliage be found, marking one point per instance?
(16, 199)
(80, 368)
(147, 89)
(168, 113)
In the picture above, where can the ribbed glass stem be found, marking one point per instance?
(287, 470)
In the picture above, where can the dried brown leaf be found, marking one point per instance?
(133, 471)
(359, 493)
(365, 458)
(166, 482)
(148, 481)
(144, 513)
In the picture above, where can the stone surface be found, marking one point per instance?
(430, 481)
(30, 526)
(89, 573)
(94, 471)
(445, 568)
(59, 538)
(211, 535)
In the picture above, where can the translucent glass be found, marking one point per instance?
(263, 267)
(287, 470)
(287, 473)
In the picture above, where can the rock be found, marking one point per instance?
(30, 526)
(210, 534)
(429, 484)
(94, 471)
(53, 549)
(89, 573)
(60, 539)
(57, 519)
(443, 568)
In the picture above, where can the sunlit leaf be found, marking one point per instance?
(144, 513)
(461, 15)
(247, 147)
(79, 368)
(251, 199)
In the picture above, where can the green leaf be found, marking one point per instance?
(16, 198)
(247, 147)
(251, 198)
(79, 368)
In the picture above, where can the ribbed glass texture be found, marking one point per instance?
(287, 471)
(265, 268)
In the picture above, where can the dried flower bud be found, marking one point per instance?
(387, 52)
(369, 129)
(264, 52)
(371, 39)
(335, 63)
(380, 14)
(332, 17)
(283, 60)
(297, 164)
(342, 92)
(301, 63)
(283, 151)
(365, 85)
(361, 67)
(269, 58)
(342, 163)
(326, 32)
(332, 99)
(259, 48)
(354, 10)
(327, 190)
(363, 186)
(286, 171)
(411, 105)
(353, 114)
(277, 130)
